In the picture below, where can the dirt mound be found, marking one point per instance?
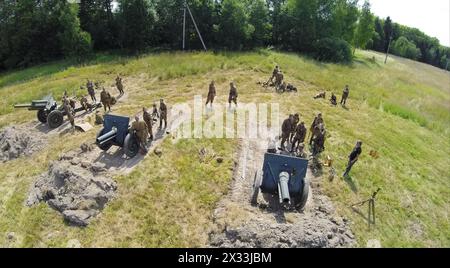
(78, 189)
(19, 141)
(238, 224)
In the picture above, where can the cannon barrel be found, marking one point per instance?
(34, 105)
(283, 188)
(107, 136)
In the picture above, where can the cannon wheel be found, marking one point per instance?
(256, 185)
(301, 201)
(104, 147)
(131, 146)
(42, 116)
(55, 119)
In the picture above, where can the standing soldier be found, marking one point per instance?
(314, 127)
(319, 140)
(233, 94)
(211, 93)
(141, 132)
(119, 85)
(286, 131)
(148, 121)
(299, 138)
(279, 80)
(162, 114)
(274, 73)
(353, 158)
(345, 94)
(155, 113)
(105, 98)
(91, 91)
(71, 118)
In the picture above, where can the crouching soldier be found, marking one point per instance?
(84, 103)
(141, 130)
(98, 118)
(333, 99)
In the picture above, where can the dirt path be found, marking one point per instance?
(241, 225)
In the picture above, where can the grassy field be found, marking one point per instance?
(401, 110)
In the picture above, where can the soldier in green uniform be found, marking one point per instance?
(333, 99)
(141, 131)
(91, 91)
(314, 130)
(301, 151)
(319, 140)
(274, 73)
(299, 138)
(105, 98)
(119, 85)
(345, 95)
(233, 94)
(294, 127)
(286, 128)
(162, 114)
(155, 113)
(149, 121)
(98, 118)
(353, 158)
(211, 93)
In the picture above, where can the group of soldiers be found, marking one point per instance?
(333, 99)
(105, 97)
(232, 96)
(293, 130)
(144, 128)
(277, 80)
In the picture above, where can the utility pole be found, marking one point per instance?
(389, 46)
(186, 7)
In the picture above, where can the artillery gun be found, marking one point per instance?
(116, 132)
(48, 111)
(284, 176)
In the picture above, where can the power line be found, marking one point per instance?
(186, 7)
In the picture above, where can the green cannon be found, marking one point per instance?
(48, 111)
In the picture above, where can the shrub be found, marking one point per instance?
(333, 50)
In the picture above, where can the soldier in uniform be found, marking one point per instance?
(105, 98)
(141, 130)
(279, 80)
(319, 140)
(148, 120)
(301, 151)
(314, 126)
(155, 113)
(321, 95)
(286, 131)
(233, 94)
(353, 158)
(84, 103)
(300, 135)
(119, 85)
(98, 118)
(283, 87)
(71, 118)
(91, 91)
(294, 127)
(333, 99)
(274, 73)
(345, 94)
(211, 93)
(162, 114)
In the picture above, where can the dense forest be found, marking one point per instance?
(36, 31)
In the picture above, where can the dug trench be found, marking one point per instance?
(241, 225)
(80, 183)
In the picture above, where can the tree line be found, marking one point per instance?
(35, 31)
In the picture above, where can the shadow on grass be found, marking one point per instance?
(351, 183)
